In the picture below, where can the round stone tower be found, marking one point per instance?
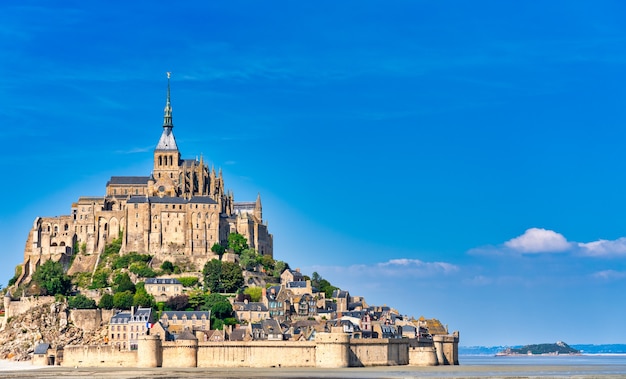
(187, 349)
(332, 350)
(149, 351)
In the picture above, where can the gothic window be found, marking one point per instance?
(160, 161)
(170, 160)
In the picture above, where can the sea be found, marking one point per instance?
(471, 366)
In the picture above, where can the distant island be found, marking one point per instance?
(540, 349)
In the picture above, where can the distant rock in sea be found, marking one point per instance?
(541, 349)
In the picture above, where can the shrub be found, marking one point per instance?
(80, 301)
(188, 281)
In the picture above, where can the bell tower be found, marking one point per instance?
(166, 155)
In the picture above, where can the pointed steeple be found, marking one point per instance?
(167, 140)
(258, 208)
(167, 113)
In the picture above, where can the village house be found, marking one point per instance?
(250, 311)
(126, 327)
(163, 288)
(178, 321)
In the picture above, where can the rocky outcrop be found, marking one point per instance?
(49, 323)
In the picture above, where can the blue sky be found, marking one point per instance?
(453, 159)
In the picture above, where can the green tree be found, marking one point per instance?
(218, 249)
(212, 299)
(51, 278)
(197, 299)
(188, 281)
(268, 262)
(255, 293)
(106, 301)
(123, 283)
(123, 300)
(237, 242)
(232, 276)
(143, 299)
(279, 267)
(80, 301)
(212, 272)
(222, 310)
(322, 284)
(248, 259)
(100, 279)
(167, 267)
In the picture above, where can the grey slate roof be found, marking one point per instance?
(300, 284)
(167, 140)
(170, 200)
(202, 200)
(185, 336)
(162, 281)
(141, 315)
(128, 180)
(257, 307)
(42, 348)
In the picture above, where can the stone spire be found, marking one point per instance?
(167, 114)
(167, 140)
(258, 208)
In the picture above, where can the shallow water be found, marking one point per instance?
(581, 366)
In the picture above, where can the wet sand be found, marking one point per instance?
(482, 371)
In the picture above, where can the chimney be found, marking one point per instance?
(298, 269)
(264, 293)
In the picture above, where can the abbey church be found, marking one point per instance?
(177, 213)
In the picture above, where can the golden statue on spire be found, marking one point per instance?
(169, 74)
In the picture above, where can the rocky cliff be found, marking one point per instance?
(49, 323)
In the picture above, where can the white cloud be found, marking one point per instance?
(394, 268)
(537, 240)
(609, 275)
(604, 247)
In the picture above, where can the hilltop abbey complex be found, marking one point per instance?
(177, 213)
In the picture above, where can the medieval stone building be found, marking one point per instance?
(176, 213)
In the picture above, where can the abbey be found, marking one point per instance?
(176, 213)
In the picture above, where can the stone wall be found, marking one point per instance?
(181, 353)
(447, 347)
(330, 350)
(379, 352)
(90, 319)
(256, 354)
(17, 307)
(98, 356)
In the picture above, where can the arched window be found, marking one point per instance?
(160, 161)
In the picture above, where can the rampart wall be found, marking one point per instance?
(98, 356)
(379, 352)
(331, 350)
(256, 354)
(17, 307)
